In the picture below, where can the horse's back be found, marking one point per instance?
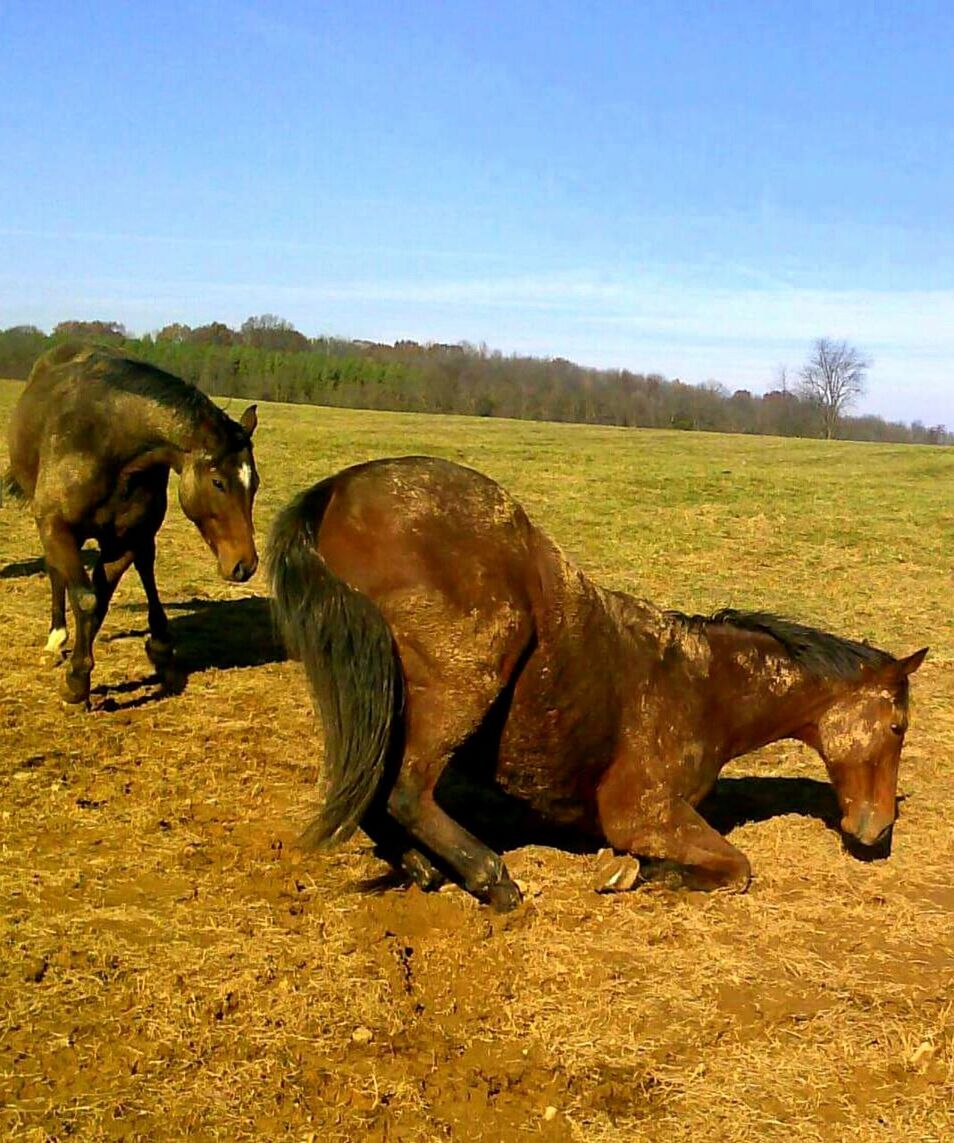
(45, 405)
(426, 524)
(84, 410)
(58, 367)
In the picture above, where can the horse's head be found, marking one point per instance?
(217, 495)
(860, 738)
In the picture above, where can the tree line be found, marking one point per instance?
(268, 359)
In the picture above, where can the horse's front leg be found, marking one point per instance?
(62, 553)
(159, 645)
(656, 823)
(56, 642)
(109, 570)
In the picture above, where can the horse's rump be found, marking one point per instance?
(499, 637)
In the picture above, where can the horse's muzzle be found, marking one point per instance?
(871, 830)
(243, 570)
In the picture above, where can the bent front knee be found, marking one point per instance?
(84, 602)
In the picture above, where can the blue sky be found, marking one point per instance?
(697, 189)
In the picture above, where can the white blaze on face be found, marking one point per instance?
(245, 475)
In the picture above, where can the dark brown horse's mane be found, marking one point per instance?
(142, 379)
(819, 652)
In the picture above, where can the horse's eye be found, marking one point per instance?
(219, 484)
(897, 728)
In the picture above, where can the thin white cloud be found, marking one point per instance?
(648, 321)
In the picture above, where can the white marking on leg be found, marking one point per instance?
(245, 474)
(56, 640)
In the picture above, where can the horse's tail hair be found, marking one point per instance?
(9, 488)
(349, 657)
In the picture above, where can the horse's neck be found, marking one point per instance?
(762, 694)
(741, 687)
(184, 432)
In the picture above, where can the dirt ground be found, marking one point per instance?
(172, 965)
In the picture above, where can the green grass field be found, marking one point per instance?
(172, 966)
(855, 537)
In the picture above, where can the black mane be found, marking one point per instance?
(819, 652)
(145, 380)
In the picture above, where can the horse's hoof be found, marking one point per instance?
(74, 689)
(172, 679)
(422, 872)
(504, 897)
(160, 653)
(741, 884)
(615, 872)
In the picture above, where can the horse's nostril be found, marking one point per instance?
(244, 571)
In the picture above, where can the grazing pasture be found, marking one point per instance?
(172, 965)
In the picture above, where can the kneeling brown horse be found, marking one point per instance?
(419, 596)
(92, 440)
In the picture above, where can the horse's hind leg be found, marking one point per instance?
(394, 846)
(440, 719)
(58, 634)
(480, 870)
(451, 683)
(657, 824)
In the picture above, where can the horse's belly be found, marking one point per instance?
(559, 737)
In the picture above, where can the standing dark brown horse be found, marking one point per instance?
(92, 440)
(425, 605)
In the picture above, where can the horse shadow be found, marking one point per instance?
(224, 634)
(22, 569)
(208, 634)
(504, 823)
(735, 802)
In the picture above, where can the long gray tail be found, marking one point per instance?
(350, 661)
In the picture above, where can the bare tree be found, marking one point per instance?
(833, 378)
(270, 332)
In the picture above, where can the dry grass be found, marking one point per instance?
(172, 966)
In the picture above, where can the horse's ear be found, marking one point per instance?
(909, 665)
(249, 419)
(897, 670)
